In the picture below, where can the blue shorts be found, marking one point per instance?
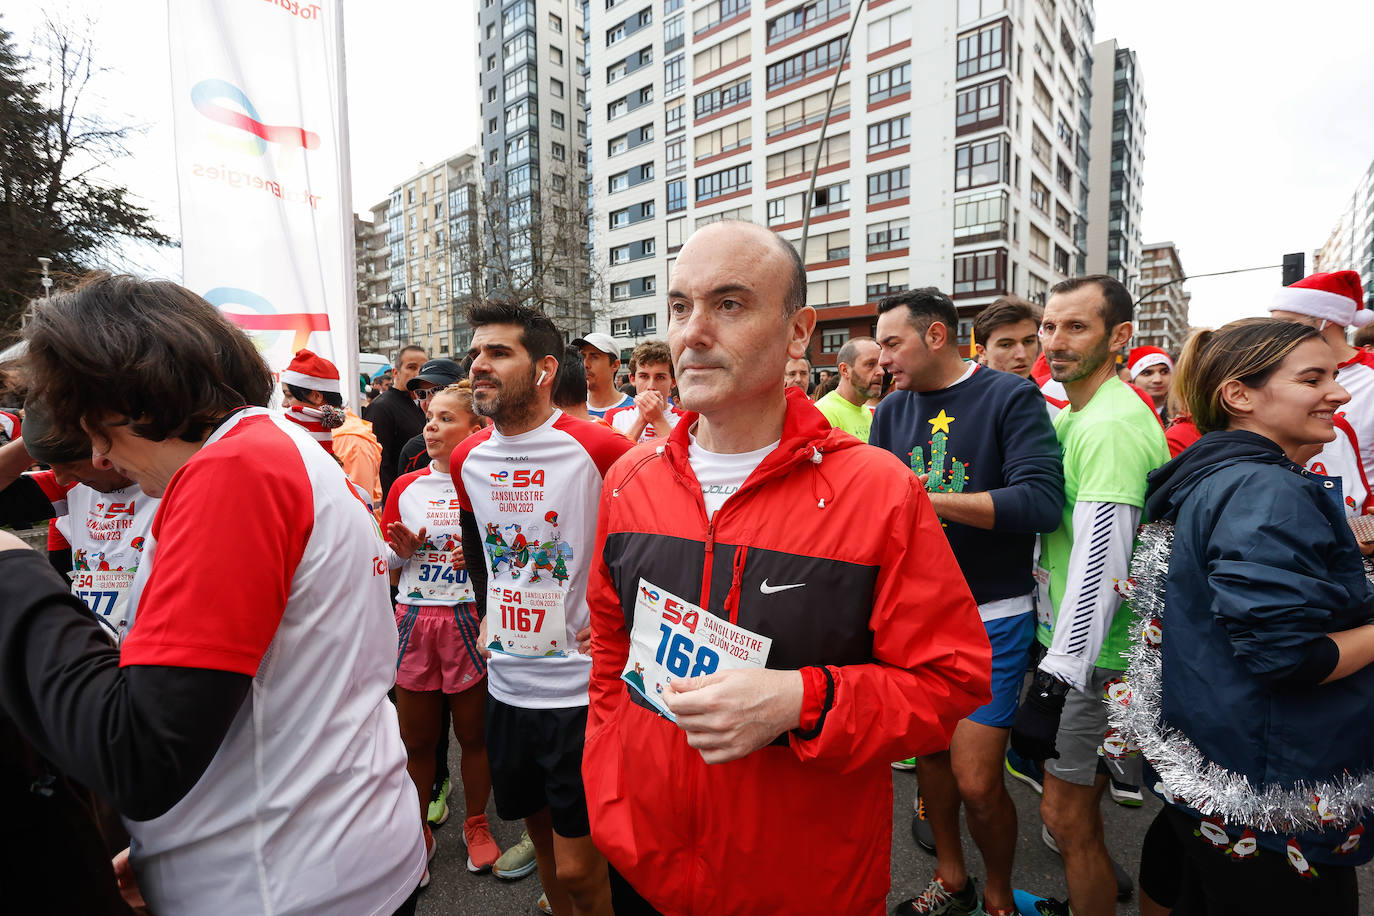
(1011, 641)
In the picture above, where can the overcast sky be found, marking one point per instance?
(1257, 122)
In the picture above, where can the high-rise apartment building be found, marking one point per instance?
(534, 128)
(1115, 177)
(1161, 315)
(370, 253)
(414, 271)
(1351, 244)
(955, 155)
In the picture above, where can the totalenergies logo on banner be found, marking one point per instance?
(210, 98)
(265, 317)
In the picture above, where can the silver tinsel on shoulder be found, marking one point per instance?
(1183, 770)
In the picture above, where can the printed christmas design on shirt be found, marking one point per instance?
(529, 549)
(940, 480)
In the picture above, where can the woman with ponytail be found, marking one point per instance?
(1261, 749)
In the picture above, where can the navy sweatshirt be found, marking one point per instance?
(989, 432)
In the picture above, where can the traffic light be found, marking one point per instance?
(1294, 268)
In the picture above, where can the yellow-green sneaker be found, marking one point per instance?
(438, 806)
(516, 862)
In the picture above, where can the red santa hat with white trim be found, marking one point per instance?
(1338, 297)
(311, 372)
(1142, 358)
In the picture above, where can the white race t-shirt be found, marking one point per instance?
(107, 532)
(721, 475)
(426, 499)
(535, 497)
(263, 561)
(623, 419)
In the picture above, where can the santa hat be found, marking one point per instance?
(1337, 297)
(314, 373)
(1142, 358)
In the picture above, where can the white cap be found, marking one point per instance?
(603, 342)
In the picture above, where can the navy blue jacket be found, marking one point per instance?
(989, 433)
(1263, 566)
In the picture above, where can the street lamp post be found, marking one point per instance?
(45, 263)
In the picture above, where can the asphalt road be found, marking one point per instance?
(454, 891)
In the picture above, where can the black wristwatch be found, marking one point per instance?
(1049, 685)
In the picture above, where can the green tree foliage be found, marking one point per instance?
(54, 199)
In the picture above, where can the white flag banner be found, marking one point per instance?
(261, 133)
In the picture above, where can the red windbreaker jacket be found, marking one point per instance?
(885, 631)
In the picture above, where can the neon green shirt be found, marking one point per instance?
(1109, 447)
(854, 419)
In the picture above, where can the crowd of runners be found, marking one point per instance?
(686, 629)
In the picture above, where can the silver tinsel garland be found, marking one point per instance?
(1184, 772)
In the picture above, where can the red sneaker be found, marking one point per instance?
(431, 847)
(482, 849)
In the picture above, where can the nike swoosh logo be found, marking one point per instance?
(770, 589)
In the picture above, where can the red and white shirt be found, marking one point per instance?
(1341, 458)
(623, 419)
(1356, 376)
(428, 500)
(263, 561)
(107, 532)
(535, 499)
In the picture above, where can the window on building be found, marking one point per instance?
(728, 95)
(885, 283)
(1062, 219)
(827, 246)
(714, 13)
(615, 71)
(889, 134)
(890, 82)
(889, 30)
(1063, 174)
(491, 63)
(720, 55)
(1039, 196)
(1040, 146)
(970, 10)
(555, 56)
(1039, 244)
(980, 273)
(890, 185)
(673, 34)
(675, 117)
(891, 235)
(559, 151)
(556, 23)
(1040, 95)
(807, 111)
(615, 109)
(833, 340)
(491, 94)
(982, 50)
(808, 63)
(980, 163)
(726, 181)
(556, 120)
(979, 107)
(829, 294)
(794, 22)
(677, 195)
(724, 139)
(1061, 260)
(675, 155)
(556, 88)
(980, 217)
(798, 159)
(674, 74)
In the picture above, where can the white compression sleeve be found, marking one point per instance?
(1103, 535)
